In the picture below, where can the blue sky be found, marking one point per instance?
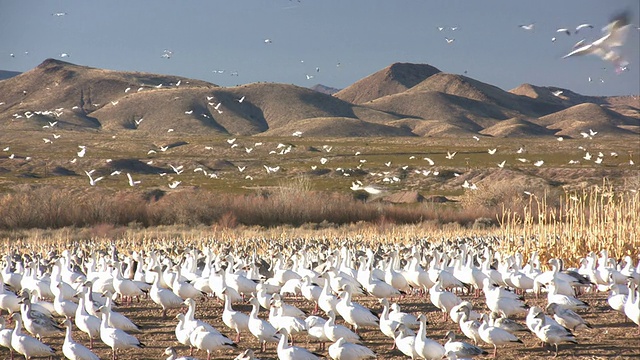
(345, 39)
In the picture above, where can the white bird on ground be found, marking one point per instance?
(73, 350)
(343, 350)
(566, 317)
(210, 341)
(261, 329)
(27, 345)
(235, 320)
(174, 184)
(553, 335)
(289, 352)
(354, 313)
(604, 47)
(116, 339)
(173, 354)
(83, 150)
(495, 336)
(335, 331)
(162, 296)
(538, 163)
(461, 348)
(442, 299)
(425, 347)
(405, 342)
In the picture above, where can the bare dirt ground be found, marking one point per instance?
(611, 336)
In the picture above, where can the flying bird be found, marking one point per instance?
(131, 182)
(527, 27)
(583, 26)
(614, 36)
(564, 30)
(451, 155)
(449, 41)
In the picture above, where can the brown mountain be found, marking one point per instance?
(393, 79)
(400, 100)
(580, 118)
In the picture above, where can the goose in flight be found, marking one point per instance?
(604, 47)
(131, 182)
(583, 26)
(93, 181)
(527, 27)
(451, 155)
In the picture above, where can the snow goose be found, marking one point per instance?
(261, 329)
(568, 302)
(393, 277)
(117, 320)
(292, 324)
(183, 333)
(173, 355)
(405, 342)
(550, 334)
(566, 317)
(263, 296)
(164, 297)
(73, 350)
(495, 336)
(234, 320)
(36, 322)
(62, 306)
(210, 341)
(342, 350)
(8, 300)
(380, 289)
(425, 347)
(632, 305)
(505, 306)
(26, 345)
(87, 323)
(184, 289)
(289, 352)
(335, 331)
(5, 336)
(387, 325)
(617, 298)
(456, 315)
(396, 314)
(506, 324)
(327, 300)
(353, 313)
(286, 309)
(442, 299)
(191, 322)
(461, 348)
(116, 339)
(246, 355)
(126, 288)
(469, 327)
(315, 330)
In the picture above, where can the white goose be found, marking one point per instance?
(342, 350)
(261, 329)
(315, 330)
(164, 297)
(461, 348)
(566, 317)
(292, 324)
(442, 299)
(427, 348)
(126, 288)
(8, 300)
(235, 320)
(495, 336)
(632, 305)
(36, 322)
(396, 314)
(354, 313)
(116, 339)
(73, 350)
(173, 355)
(27, 345)
(117, 320)
(566, 301)
(5, 336)
(210, 341)
(183, 333)
(552, 334)
(87, 323)
(405, 342)
(62, 306)
(469, 327)
(335, 331)
(289, 352)
(387, 325)
(327, 300)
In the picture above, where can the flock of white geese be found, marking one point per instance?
(50, 295)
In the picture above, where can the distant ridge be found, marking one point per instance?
(399, 100)
(6, 74)
(393, 79)
(324, 89)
